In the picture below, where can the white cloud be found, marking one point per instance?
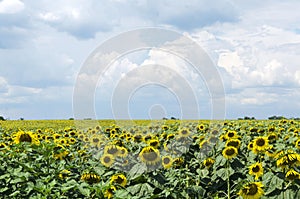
(11, 6)
(49, 16)
(3, 85)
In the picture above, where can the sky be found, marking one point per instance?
(254, 47)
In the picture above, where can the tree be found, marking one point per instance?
(2, 118)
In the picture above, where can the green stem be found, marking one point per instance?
(228, 181)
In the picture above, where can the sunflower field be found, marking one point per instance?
(245, 159)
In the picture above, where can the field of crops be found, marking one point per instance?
(247, 159)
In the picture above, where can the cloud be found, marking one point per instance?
(11, 6)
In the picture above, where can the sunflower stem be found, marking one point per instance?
(228, 180)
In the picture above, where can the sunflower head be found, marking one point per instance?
(119, 179)
(109, 192)
(107, 160)
(256, 169)
(233, 142)
(230, 152)
(184, 133)
(208, 162)
(27, 137)
(260, 144)
(64, 174)
(167, 162)
(292, 175)
(154, 143)
(252, 190)
(149, 155)
(231, 134)
(112, 150)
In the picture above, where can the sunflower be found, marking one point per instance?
(297, 145)
(201, 127)
(109, 193)
(230, 152)
(107, 160)
(252, 190)
(72, 140)
(287, 159)
(119, 179)
(154, 143)
(250, 146)
(123, 152)
(138, 137)
(59, 152)
(233, 142)
(256, 169)
(204, 144)
(177, 162)
(64, 174)
(208, 162)
(56, 136)
(28, 136)
(112, 150)
(260, 144)
(164, 127)
(170, 136)
(167, 162)
(2, 146)
(272, 137)
(147, 137)
(149, 155)
(231, 134)
(90, 178)
(62, 141)
(184, 133)
(292, 175)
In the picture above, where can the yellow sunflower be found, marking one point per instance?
(231, 134)
(201, 127)
(230, 152)
(123, 152)
(252, 190)
(59, 152)
(107, 160)
(233, 142)
(138, 137)
(28, 136)
(177, 162)
(256, 169)
(170, 136)
(95, 140)
(109, 193)
(154, 143)
(90, 178)
(292, 175)
(149, 155)
(184, 133)
(64, 174)
(260, 144)
(119, 179)
(287, 159)
(297, 145)
(112, 150)
(208, 162)
(167, 162)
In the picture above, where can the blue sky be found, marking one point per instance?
(254, 45)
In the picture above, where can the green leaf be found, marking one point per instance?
(83, 188)
(3, 189)
(137, 170)
(220, 161)
(141, 190)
